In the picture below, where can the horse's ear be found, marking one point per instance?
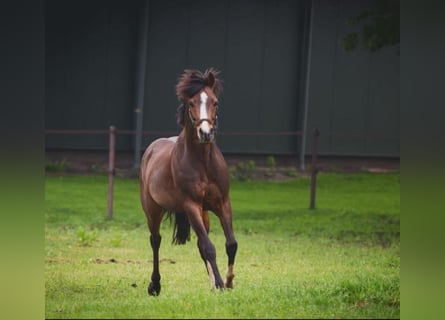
(214, 82)
(211, 80)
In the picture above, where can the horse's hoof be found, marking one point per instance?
(218, 287)
(154, 289)
(230, 283)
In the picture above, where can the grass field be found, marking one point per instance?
(341, 260)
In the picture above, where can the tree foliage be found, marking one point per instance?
(380, 27)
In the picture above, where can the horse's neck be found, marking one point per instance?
(200, 161)
(198, 153)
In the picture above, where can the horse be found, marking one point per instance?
(187, 175)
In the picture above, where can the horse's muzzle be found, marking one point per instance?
(206, 137)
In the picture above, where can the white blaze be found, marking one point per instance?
(203, 113)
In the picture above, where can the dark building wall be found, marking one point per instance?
(260, 47)
(256, 45)
(90, 66)
(353, 97)
(92, 50)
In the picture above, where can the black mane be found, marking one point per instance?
(190, 83)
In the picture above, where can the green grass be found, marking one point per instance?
(340, 260)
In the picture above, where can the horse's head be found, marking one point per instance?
(198, 93)
(202, 111)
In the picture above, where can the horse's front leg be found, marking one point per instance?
(225, 216)
(199, 222)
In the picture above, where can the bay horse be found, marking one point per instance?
(187, 175)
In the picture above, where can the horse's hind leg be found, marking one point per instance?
(154, 288)
(154, 218)
(206, 220)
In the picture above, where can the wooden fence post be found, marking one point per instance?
(111, 170)
(314, 167)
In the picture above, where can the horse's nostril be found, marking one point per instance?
(205, 136)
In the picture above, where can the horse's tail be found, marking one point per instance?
(181, 231)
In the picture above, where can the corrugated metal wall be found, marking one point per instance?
(90, 64)
(91, 61)
(354, 97)
(91, 56)
(256, 45)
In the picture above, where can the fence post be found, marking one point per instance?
(111, 170)
(314, 167)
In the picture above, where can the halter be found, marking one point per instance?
(196, 123)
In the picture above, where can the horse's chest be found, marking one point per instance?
(208, 194)
(208, 190)
(212, 196)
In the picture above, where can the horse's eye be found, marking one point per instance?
(191, 105)
(216, 104)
